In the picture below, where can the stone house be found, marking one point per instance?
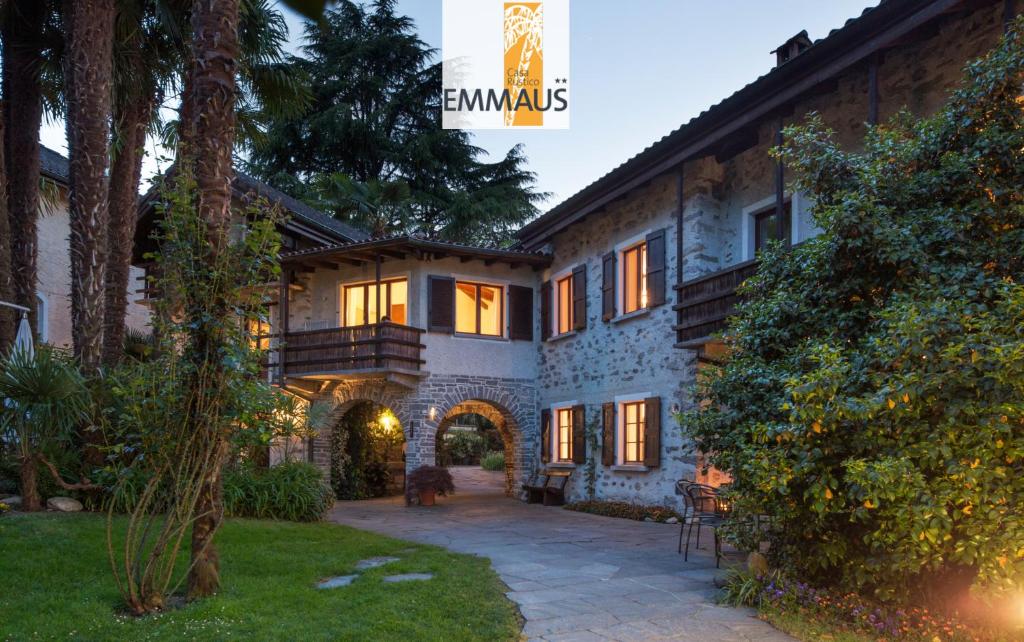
(583, 341)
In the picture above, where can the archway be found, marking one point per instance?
(367, 452)
(501, 419)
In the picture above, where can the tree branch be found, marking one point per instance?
(84, 484)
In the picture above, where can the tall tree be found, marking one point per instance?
(8, 321)
(206, 140)
(375, 118)
(88, 90)
(23, 111)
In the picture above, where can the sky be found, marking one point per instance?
(681, 56)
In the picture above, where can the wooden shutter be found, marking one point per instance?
(520, 313)
(441, 304)
(655, 268)
(608, 286)
(545, 311)
(579, 434)
(608, 436)
(545, 435)
(652, 432)
(579, 297)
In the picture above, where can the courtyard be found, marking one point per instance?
(573, 576)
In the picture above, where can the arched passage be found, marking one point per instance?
(502, 420)
(367, 452)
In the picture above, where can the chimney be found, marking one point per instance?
(791, 48)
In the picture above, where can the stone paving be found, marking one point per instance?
(574, 576)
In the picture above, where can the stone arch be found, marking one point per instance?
(512, 402)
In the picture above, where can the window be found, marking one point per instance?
(360, 302)
(634, 278)
(479, 309)
(42, 318)
(765, 228)
(259, 333)
(633, 425)
(563, 434)
(563, 305)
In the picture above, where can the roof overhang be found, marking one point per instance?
(770, 96)
(408, 247)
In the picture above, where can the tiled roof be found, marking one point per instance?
(53, 165)
(709, 118)
(427, 245)
(245, 183)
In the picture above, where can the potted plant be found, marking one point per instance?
(427, 481)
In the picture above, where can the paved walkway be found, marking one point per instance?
(574, 576)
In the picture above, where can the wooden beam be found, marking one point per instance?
(326, 265)
(738, 143)
(873, 89)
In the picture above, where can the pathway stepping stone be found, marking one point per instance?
(336, 582)
(408, 577)
(374, 562)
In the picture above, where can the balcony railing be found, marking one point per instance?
(706, 302)
(336, 352)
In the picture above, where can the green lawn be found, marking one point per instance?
(56, 583)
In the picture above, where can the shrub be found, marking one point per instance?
(464, 448)
(292, 491)
(494, 460)
(426, 478)
(625, 510)
(873, 398)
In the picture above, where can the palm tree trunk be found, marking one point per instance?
(23, 111)
(206, 143)
(89, 71)
(30, 500)
(131, 120)
(8, 320)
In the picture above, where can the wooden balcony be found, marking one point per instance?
(706, 302)
(384, 349)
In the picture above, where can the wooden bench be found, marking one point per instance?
(547, 487)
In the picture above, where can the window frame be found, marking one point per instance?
(767, 212)
(639, 399)
(385, 300)
(502, 309)
(642, 298)
(557, 412)
(42, 317)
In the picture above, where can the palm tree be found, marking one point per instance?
(206, 141)
(89, 65)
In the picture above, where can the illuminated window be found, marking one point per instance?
(765, 228)
(634, 278)
(479, 309)
(633, 423)
(360, 302)
(563, 434)
(563, 305)
(259, 333)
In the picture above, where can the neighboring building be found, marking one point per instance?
(53, 287)
(607, 310)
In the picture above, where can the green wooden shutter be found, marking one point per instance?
(656, 268)
(608, 437)
(545, 436)
(652, 432)
(579, 432)
(579, 297)
(545, 311)
(608, 286)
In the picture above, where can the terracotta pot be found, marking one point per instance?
(426, 498)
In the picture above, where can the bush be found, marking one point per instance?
(493, 460)
(625, 510)
(463, 448)
(292, 491)
(426, 478)
(873, 398)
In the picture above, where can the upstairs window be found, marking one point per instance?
(634, 278)
(359, 303)
(766, 229)
(479, 309)
(563, 305)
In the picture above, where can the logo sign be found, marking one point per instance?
(506, 64)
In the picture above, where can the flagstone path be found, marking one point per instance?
(574, 576)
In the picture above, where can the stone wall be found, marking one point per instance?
(627, 356)
(421, 409)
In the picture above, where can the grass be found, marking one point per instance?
(56, 583)
(809, 629)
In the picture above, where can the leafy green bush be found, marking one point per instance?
(873, 399)
(494, 460)
(463, 447)
(625, 510)
(292, 491)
